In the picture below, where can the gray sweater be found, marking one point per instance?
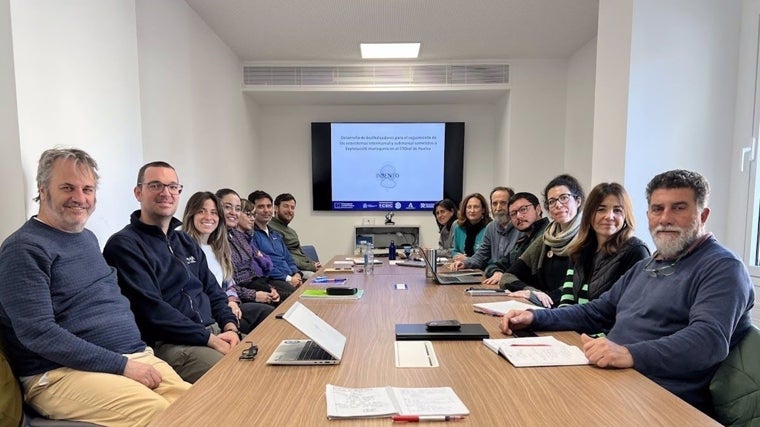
(60, 304)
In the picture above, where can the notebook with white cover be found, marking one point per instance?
(322, 337)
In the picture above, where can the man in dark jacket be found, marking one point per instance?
(179, 307)
(524, 211)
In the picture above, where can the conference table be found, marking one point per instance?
(251, 393)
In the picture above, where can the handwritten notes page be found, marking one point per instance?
(537, 351)
(345, 402)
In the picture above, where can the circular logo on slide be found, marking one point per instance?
(387, 176)
(397, 205)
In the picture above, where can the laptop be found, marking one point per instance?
(325, 346)
(453, 278)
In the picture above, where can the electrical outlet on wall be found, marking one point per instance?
(368, 221)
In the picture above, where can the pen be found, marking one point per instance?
(422, 418)
(530, 345)
(489, 313)
(336, 280)
(487, 291)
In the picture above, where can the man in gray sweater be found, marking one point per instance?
(68, 331)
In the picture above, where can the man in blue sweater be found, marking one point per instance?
(68, 330)
(180, 308)
(271, 242)
(675, 315)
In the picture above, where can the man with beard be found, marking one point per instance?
(499, 236)
(526, 216)
(284, 212)
(675, 315)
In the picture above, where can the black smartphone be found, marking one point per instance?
(522, 333)
(443, 325)
(340, 291)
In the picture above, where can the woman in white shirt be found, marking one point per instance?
(202, 221)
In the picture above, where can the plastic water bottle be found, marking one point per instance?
(392, 251)
(369, 260)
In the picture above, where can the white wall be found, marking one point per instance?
(537, 106)
(194, 114)
(579, 121)
(77, 85)
(11, 174)
(682, 90)
(613, 52)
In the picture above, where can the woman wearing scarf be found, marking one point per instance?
(540, 271)
(470, 226)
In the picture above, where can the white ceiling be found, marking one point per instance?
(302, 32)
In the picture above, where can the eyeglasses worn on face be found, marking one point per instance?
(249, 214)
(230, 208)
(157, 187)
(521, 210)
(563, 198)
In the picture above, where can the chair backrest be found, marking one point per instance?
(10, 394)
(735, 387)
(310, 252)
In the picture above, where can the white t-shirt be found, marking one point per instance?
(213, 264)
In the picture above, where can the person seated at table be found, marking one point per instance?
(445, 213)
(202, 222)
(524, 212)
(271, 242)
(471, 224)
(284, 212)
(250, 266)
(540, 271)
(605, 247)
(177, 302)
(675, 315)
(67, 330)
(499, 235)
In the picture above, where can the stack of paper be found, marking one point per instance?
(537, 351)
(501, 308)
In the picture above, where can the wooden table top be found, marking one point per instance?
(252, 393)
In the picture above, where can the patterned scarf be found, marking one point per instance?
(557, 240)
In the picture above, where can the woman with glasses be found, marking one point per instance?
(202, 221)
(445, 213)
(605, 247)
(470, 226)
(250, 265)
(540, 271)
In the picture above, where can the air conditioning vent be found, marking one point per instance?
(259, 76)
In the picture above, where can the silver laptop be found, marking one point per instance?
(453, 278)
(325, 346)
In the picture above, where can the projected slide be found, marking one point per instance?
(387, 165)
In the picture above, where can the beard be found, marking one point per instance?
(501, 217)
(671, 247)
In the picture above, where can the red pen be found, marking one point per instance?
(423, 418)
(530, 345)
